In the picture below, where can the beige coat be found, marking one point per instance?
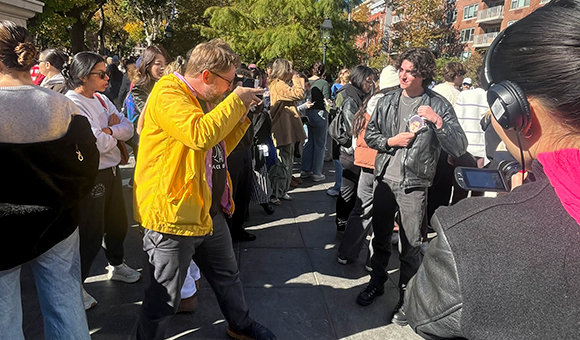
(286, 122)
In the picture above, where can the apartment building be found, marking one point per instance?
(479, 21)
(380, 19)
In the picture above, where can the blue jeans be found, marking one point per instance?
(337, 174)
(315, 148)
(57, 274)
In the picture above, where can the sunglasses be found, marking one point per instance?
(101, 74)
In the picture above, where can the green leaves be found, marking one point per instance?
(262, 30)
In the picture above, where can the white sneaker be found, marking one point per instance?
(318, 178)
(123, 273)
(88, 300)
(333, 192)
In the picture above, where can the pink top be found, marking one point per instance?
(563, 170)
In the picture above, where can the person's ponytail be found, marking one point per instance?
(17, 52)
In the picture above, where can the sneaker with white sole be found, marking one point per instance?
(123, 273)
(333, 192)
(318, 178)
(305, 174)
(88, 300)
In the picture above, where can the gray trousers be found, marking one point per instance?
(169, 258)
(360, 220)
(411, 203)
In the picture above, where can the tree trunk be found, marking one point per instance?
(102, 48)
(77, 37)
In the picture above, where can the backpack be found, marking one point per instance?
(129, 110)
(337, 131)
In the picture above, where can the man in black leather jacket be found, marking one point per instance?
(408, 128)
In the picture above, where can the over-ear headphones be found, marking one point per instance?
(507, 100)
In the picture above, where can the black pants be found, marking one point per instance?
(103, 220)
(347, 198)
(440, 192)
(240, 169)
(388, 198)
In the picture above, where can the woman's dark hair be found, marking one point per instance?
(423, 62)
(80, 67)
(55, 57)
(17, 52)
(318, 69)
(359, 75)
(147, 59)
(541, 53)
(452, 70)
(358, 122)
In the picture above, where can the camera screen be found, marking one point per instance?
(485, 179)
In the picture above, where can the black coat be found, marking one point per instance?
(500, 268)
(42, 185)
(420, 158)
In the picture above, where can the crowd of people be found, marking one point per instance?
(211, 135)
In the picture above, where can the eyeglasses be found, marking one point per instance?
(228, 81)
(101, 74)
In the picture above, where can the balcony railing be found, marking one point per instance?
(484, 40)
(490, 15)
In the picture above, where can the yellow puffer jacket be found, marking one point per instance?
(171, 192)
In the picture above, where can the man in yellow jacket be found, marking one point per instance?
(183, 190)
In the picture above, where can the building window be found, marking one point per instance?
(494, 29)
(519, 4)
(511, 22)
(451, 16)
(467, 35)
(470, 11)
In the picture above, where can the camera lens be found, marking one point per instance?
(509, 168)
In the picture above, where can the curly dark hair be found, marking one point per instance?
(452, 70)
(423, 62)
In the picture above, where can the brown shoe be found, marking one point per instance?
(187, 305)
(297, 180)
(293, 183)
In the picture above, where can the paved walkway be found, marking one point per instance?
(292, 281)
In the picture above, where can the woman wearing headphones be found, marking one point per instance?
(507, 268)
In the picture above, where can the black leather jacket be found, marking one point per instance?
(420, 158)
(493, 273)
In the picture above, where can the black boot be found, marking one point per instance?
(399, 318)
(367, 295)
(268, 208)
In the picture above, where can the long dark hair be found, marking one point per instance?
(144, 78)
(55, 57)
(359, 75)
(17, 52)
(80, 67)
(359, 121)
(541, 53)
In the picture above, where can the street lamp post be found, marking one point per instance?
(325, 32)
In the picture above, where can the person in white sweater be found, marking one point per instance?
(103, 215)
